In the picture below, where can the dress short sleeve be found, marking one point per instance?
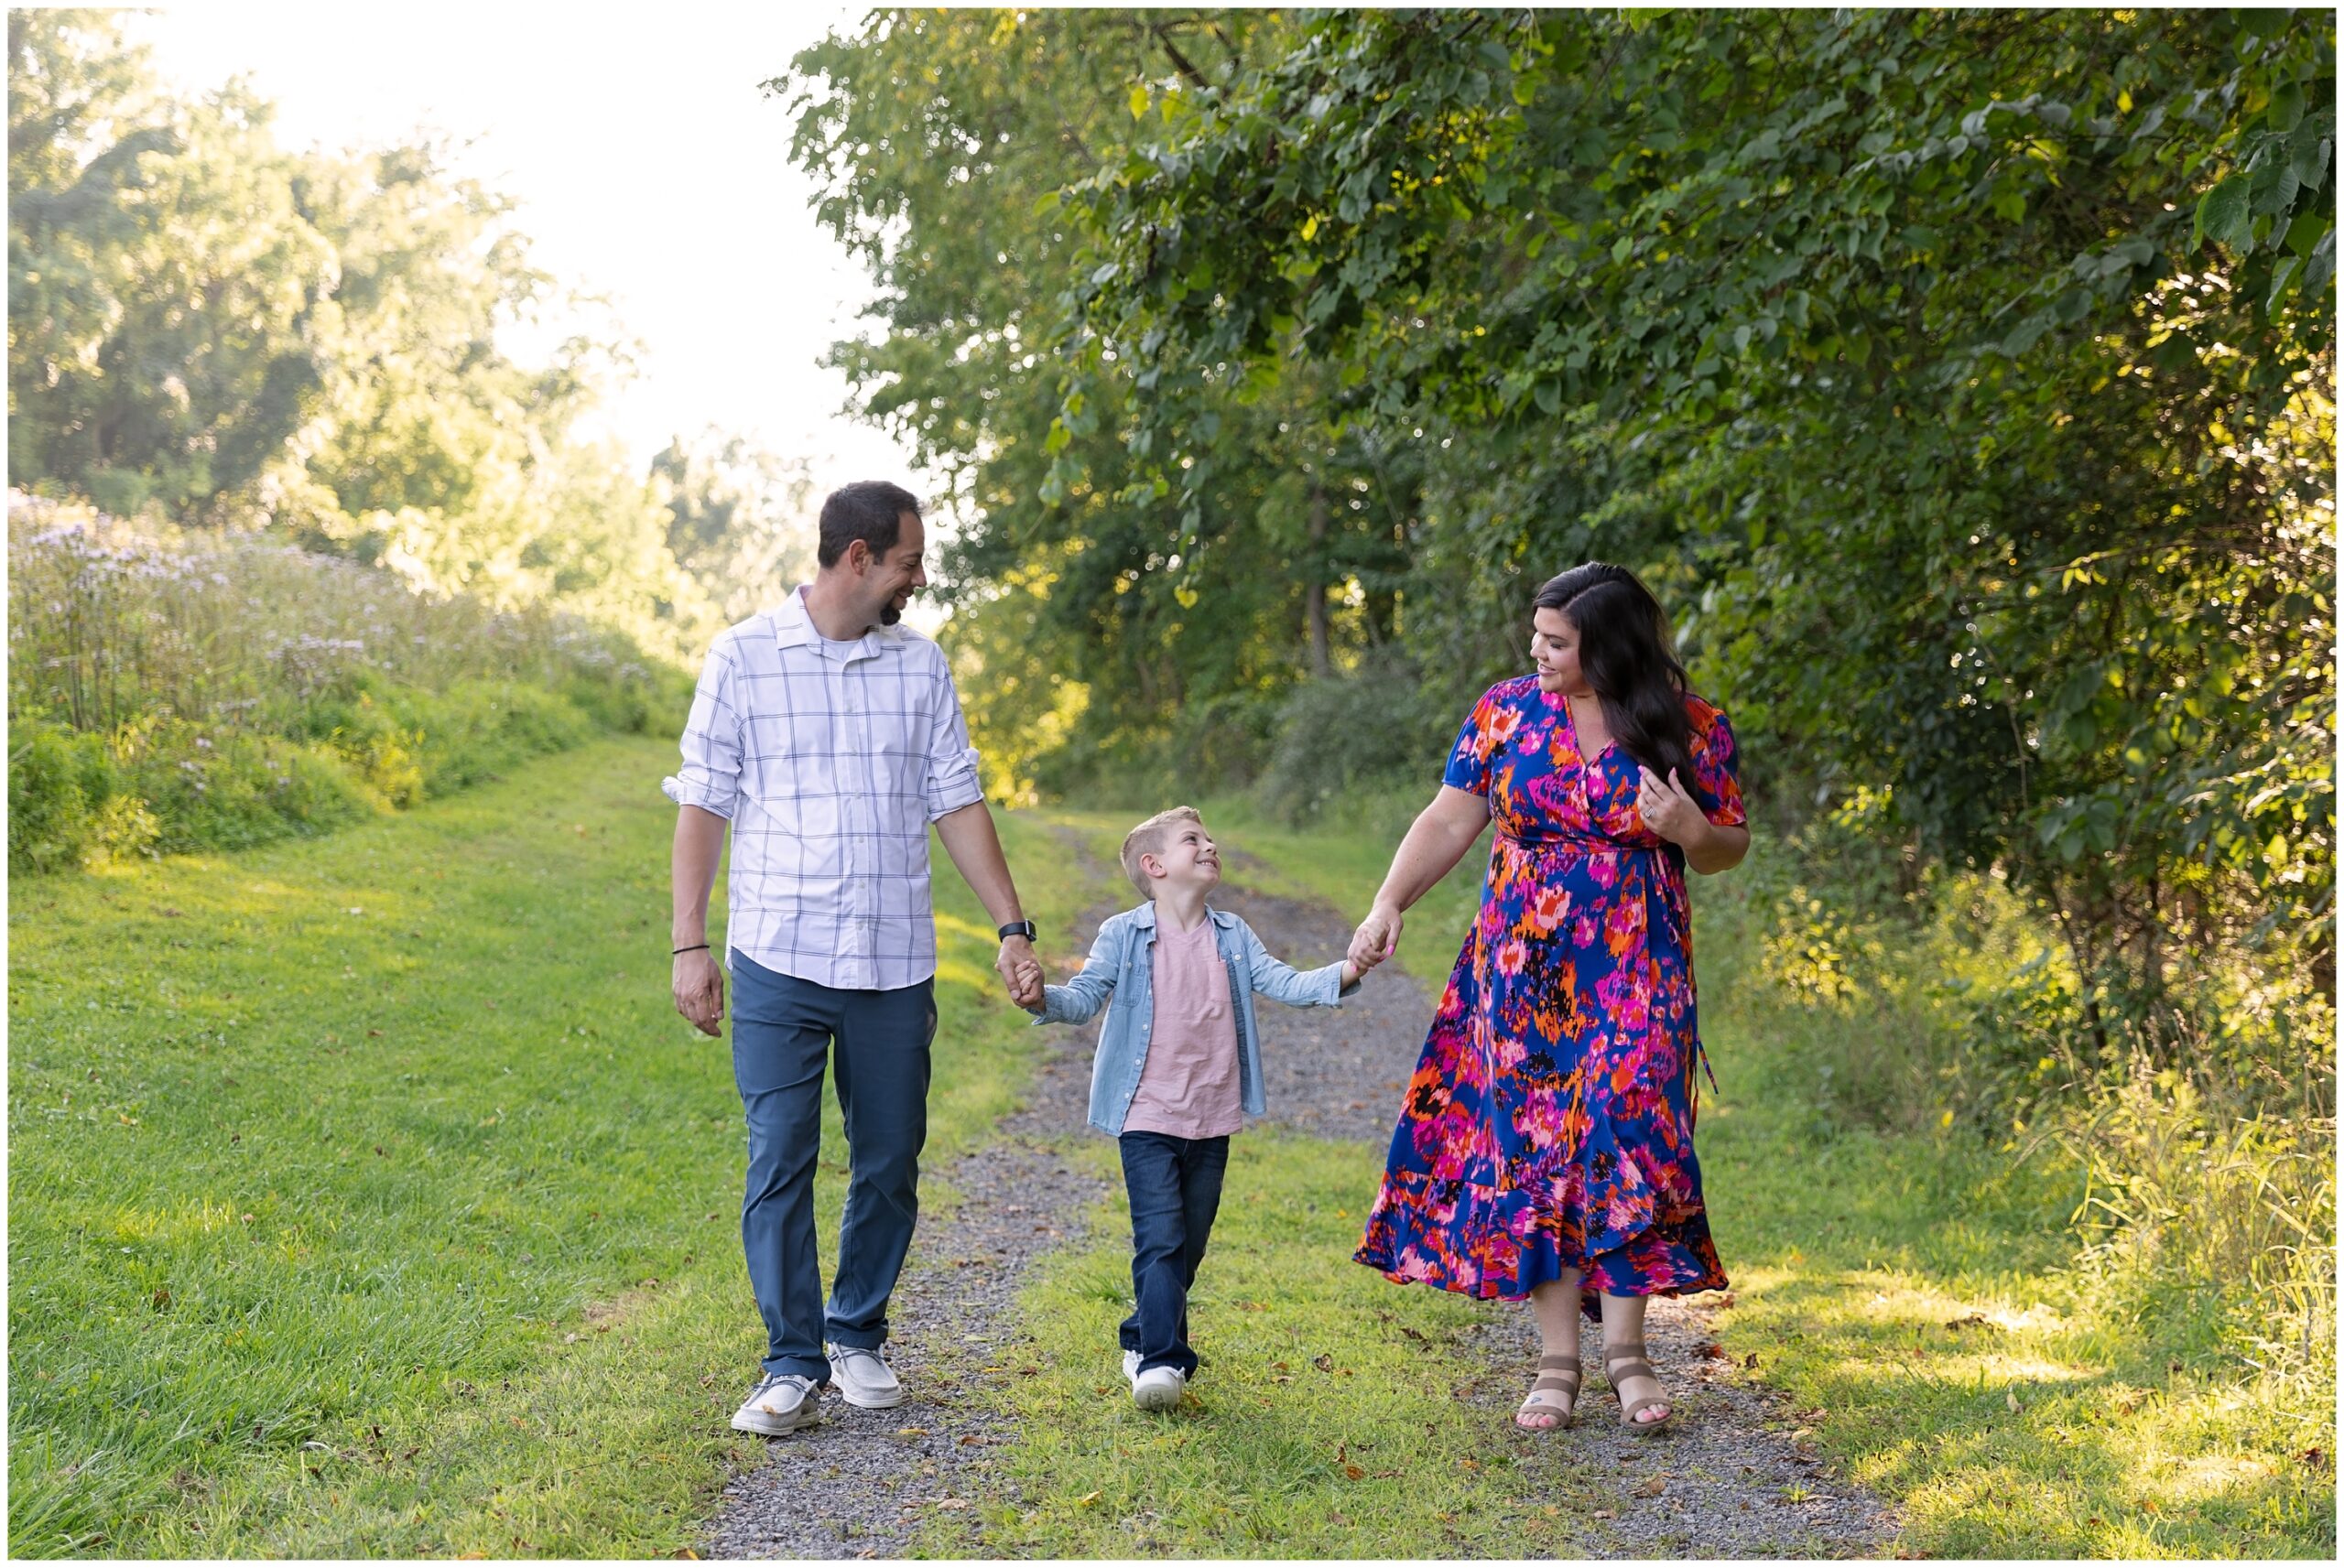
(1485, 729)
(1717, 777)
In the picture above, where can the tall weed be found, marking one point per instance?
(176, 691)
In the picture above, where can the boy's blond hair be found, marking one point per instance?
(1148, 838)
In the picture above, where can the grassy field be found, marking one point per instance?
(1913, 1295)
(367, 1197)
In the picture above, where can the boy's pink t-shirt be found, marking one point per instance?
(1189, 1087)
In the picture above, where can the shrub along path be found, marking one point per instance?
(1021, 1438)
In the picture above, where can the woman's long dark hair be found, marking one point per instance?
(1625, 653)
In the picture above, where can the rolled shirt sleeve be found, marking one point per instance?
(952, 780)
(710, 775)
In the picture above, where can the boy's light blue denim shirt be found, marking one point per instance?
(1120, 976)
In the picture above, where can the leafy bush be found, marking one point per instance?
(224, 789)
(179, 694)
(59, 782)
(1350, 733)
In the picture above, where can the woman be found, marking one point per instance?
(1546, 1148)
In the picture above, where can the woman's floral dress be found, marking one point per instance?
(1549, 1125)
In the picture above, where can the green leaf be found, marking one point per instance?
(2281, 274)
(2223, 214)
(1139, 101)
(2303, 234)
(2286, 108)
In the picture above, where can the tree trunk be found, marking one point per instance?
(1314, 593)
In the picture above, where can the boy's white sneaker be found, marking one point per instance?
(1131, 1365)
(1159, 1387)
(781, 1403)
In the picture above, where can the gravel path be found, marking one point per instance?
(1732, 1479)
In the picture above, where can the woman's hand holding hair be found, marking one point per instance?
(1668, 809)
(1677, 816)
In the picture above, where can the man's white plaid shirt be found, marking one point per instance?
(830, 759)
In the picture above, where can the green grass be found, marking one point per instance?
(2047, 1423)
(368, 1198)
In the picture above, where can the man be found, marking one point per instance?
(829, 737)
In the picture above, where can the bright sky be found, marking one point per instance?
(648, 165)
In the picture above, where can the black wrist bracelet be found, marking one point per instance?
(695, 948)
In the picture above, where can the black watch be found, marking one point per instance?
(1017, 928)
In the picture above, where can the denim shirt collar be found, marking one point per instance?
(1145, 918)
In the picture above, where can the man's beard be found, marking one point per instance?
(889, 614)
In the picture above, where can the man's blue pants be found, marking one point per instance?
(782, 1030)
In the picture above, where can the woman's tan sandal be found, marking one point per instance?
(1556, 1375)
(1631, 1363)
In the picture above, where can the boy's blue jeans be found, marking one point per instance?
(784, 1030)
(1174, 1187)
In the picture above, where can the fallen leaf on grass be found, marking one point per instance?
(1353, 1472)
(1085, 1500)
(949, 1502)
(1605, 1513)
(2009, 1398)
(1750, 1362)
(1711, 1352)
(1323, 1362)
(970, 1440)
(1653, 1487)
(911, 1432)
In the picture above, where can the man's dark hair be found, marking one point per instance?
(871, 510)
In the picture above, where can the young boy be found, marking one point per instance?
(1179, 1061)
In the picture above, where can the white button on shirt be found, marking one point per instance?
(831, 759)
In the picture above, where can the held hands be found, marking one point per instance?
(700, 990)
(1021, 972)
(1378, 937)
(1666, 809)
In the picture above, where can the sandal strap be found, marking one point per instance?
(1630, 1366)
(1566, 1363)
(1628, 1412)
(1567, 1382)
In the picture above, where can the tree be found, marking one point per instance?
(942, 139)
(1965, 373)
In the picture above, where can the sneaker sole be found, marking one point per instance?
(1156, 1399)
(870, 1402)
(779, 1425)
